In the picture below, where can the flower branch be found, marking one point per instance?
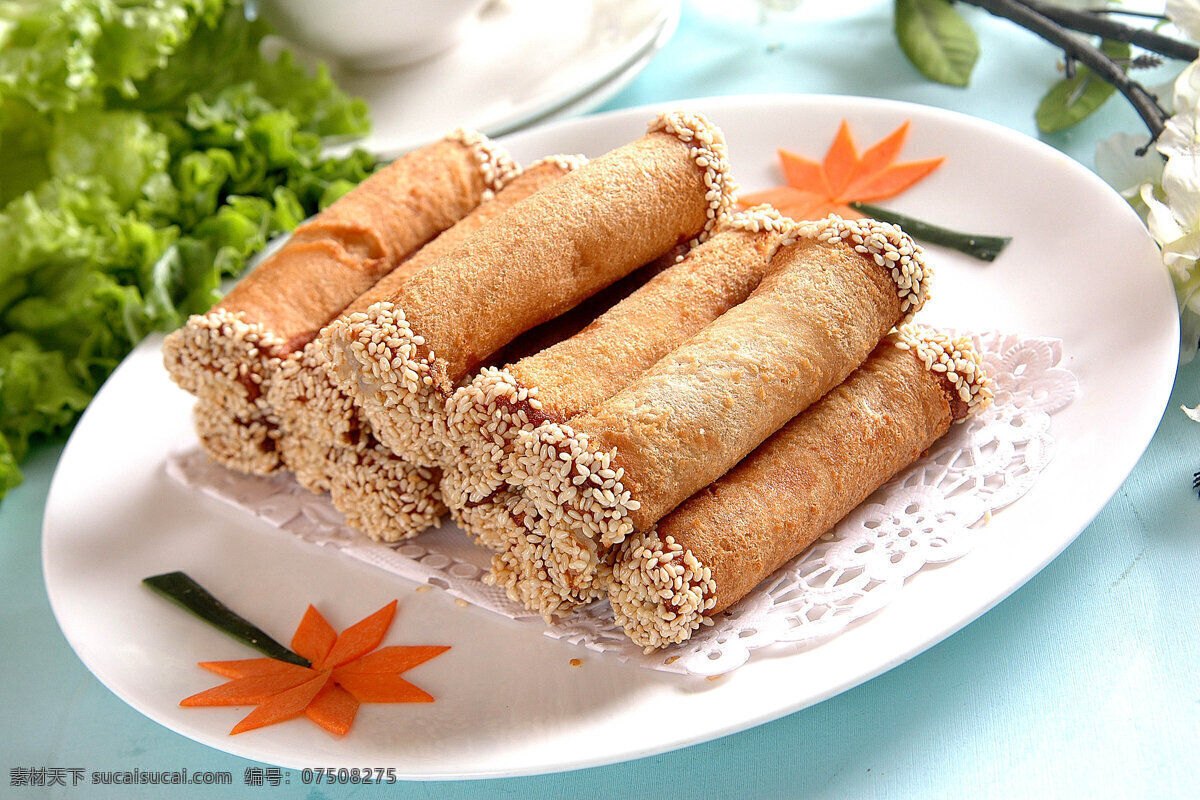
(1098, 23)
(1023, 13)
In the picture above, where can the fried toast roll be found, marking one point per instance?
(388, 497)
(826, 301)
(480, 519)
(724, 540)
(228, 355)
(239, 443)
(311, 412)
(402, 358)
(574, 375)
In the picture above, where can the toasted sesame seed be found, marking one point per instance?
(957, 360)
(565, 162)
(496, 166)
(887, 246)
(710, 154)
(659, 600)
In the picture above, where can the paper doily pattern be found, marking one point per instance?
(930, 513)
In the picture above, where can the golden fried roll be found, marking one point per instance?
(576, 374)
(228, 355)
(402, 359)
(724, 540)
(244, 444)
(826, 301)
(390, 498)
(476, 517)
(312, 414)
(383, 495)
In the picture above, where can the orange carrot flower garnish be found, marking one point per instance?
(344, 673)
(817, 189)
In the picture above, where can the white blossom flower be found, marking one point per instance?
(1173, 216)
(1186, 16)
(1118, 163)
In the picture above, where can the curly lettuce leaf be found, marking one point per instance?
(39, 396)
(60, 56)
(137, 177)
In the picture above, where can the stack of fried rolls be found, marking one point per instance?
(828, 297)
(724, 540)
(570, 377)
(228, 356)
(402, 359)
(619, 386)
(573, 376)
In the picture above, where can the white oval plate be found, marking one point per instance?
(1081, 267)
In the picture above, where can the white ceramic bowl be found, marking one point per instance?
(372, 34)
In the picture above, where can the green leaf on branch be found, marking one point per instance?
(936, 40)
(1072, 100)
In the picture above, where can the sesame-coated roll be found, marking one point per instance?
(383, 495)
(244, 444)
(576, 374)
(826, 301)
(492, 522)
(311, 412)
(480, 518)
(228, 355)
(389, 498)
(402, 359)
(725, 539)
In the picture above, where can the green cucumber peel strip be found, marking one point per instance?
(979, 246)
(181, 589)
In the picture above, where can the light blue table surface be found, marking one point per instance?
(1082, 684)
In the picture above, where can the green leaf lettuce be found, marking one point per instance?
(137, 175)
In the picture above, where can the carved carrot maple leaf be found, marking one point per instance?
(816, 189)
(344, 673)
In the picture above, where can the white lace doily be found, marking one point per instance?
(928, 514)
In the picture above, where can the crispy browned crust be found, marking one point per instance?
(403, 357)
(554, 250)
(580, 317)
(343, 251)
(699, 411)
(537, 177)
(603, 358)
(804, 479)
